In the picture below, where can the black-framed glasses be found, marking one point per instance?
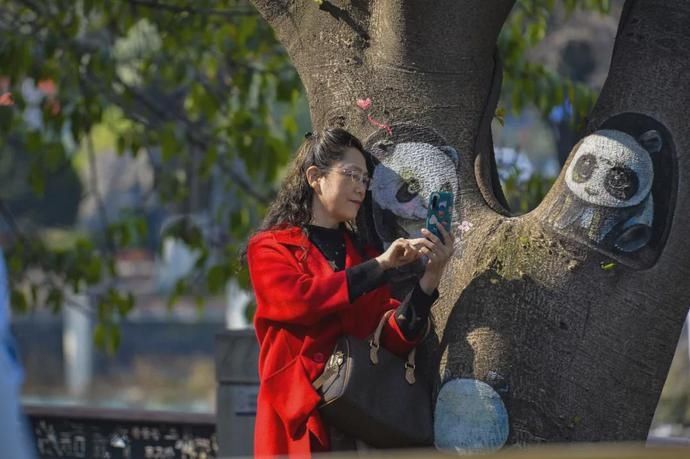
(355, 176)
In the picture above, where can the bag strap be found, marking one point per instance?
(333, 365)
(374, 341)
(374, 344)
(410, 364)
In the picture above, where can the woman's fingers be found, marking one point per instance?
(431, 236)
(410, 253)
(404, 252)
(420, 242)
(437, 252)
(448, 238)
(428, 252)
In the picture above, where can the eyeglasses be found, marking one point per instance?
(355, 176)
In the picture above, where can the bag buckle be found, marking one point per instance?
(373, 351)
(409, 373)
(336, 360)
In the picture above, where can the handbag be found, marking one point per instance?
(375, 396)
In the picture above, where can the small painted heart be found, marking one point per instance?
(364, 104)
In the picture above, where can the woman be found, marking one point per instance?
(313, 285)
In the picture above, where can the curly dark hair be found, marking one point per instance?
(292, 205)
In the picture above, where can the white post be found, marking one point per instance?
(236, 302)
(77, 346)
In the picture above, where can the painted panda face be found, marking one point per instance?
(610, 169)
(406, 177)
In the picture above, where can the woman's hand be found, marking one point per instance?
(438, 254)
(399, 253)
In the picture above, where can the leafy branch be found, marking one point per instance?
(197, 90)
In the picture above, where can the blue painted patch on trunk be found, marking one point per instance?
(469, 417)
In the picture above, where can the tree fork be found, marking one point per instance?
(575, 334)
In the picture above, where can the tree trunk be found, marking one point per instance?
(566, 312)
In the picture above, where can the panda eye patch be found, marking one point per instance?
(408, 190)
(584, 167)
(621, 183)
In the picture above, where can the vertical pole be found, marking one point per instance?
(236, 302)
(77, 346)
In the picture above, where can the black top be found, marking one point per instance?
(413, 312)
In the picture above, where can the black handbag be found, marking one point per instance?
(375, 396)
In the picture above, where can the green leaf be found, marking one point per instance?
(18, 301)
(121, 145)
(500, 115)
(180, 288)
(216, 278)
(37, 179)
(169, 145)
(99, 335)
(92, 270)
(290, 124)
(55, 299)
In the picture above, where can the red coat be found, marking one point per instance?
(302, 307)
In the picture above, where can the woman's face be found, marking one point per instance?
(339, 192)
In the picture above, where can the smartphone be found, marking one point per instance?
(440, 210)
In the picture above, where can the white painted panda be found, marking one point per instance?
(608, 198)
(404, 179)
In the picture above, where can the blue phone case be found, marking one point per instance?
(440, 210)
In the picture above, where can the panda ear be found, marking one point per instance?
(651, 141)
(382, 149)
(451, 153)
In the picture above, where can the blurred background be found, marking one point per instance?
(140, 144)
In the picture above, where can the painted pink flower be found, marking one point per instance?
(465, 226)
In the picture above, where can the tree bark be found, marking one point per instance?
(575, 335)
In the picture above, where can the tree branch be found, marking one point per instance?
(200, 141)
(8, 216)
